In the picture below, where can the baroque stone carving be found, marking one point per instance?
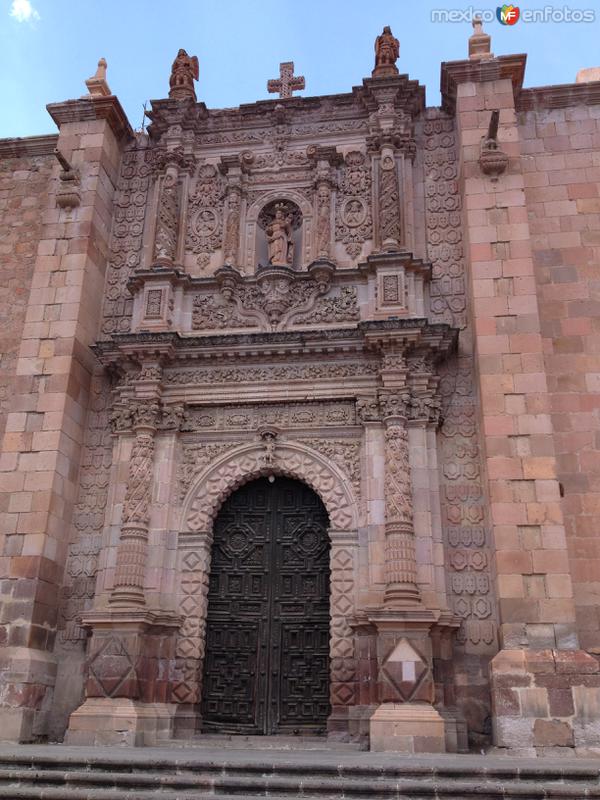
(126, 239)
(205, 214)
(253, 417)
(301, 372)
(387, 52)
(132, 549)
(88, 519)
(276, 298)
(459, 448)
(231, 236)
(167, 222)
(367, 409)
(344, 453)
(354, 224)
(194, 568)
(195, 458)
(293, 460)
(342, 587)
(183, 74)
(389, 201)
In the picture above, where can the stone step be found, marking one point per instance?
(178, 773)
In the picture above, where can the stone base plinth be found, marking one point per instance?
(546, 702)
(407, 728)
(119, 721)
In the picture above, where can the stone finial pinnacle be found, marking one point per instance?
(97, 85)
(479, 42)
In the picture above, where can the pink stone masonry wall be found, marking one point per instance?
(23, 196)
(561, 171)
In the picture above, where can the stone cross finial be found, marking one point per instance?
(97, 85)
(479, 42)
(287, 82)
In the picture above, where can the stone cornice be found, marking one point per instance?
(92, 108)
(559, 96)
(366, 337)
(480, 71)
(28, 146)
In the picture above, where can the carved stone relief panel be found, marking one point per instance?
(126, 239)
(88, 519)
(463, 504)
(354, 215)
(200, 376)
(283, 415)
(204, 229)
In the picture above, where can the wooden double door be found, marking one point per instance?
(266, 663)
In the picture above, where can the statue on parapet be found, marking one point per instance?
(387, 52)
(183, 74)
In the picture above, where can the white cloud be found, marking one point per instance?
(23, 11)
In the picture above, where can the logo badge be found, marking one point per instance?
(508, 15)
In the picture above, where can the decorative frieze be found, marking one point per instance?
(283, 415)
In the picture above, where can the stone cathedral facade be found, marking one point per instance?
(300, 415)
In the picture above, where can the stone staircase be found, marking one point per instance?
(223, 770)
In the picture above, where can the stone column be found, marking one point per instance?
(400, 560)
(405, 719)
(132, 550)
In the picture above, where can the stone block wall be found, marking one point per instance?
(561, 173)
(24, 180)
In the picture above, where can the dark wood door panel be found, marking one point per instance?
(266, 666)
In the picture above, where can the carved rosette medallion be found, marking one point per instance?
(400, 559)
(354, 222)
(205, 214)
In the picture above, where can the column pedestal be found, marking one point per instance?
(407, 728)
(406, 720)
(130, 666)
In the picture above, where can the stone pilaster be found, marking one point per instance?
(537, 700)
(49, 404)
(170, 163)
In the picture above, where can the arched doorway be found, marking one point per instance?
(266, 664)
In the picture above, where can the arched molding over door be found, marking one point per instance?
(250, 461)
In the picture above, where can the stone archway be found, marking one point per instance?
(204, 499)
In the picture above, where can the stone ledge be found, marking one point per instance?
(20, 147)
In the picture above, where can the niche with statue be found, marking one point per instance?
(279, 235)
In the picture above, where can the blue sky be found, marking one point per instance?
(49, 47)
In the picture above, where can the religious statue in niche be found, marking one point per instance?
(279, 239)
(183, 74)
(279, 221)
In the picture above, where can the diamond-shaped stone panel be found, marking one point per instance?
(404, 674)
